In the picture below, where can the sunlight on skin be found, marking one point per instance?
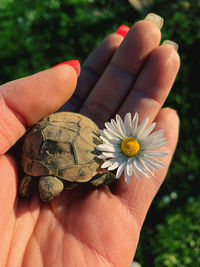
(86, 227)
(91, 222)
(55, 230)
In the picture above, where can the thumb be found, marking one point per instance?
(24, 101)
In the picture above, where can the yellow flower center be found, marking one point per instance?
(130, 146)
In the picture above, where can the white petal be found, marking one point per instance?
(114, 166)
(127, 123)
(108, 134)
(120, 125)
(105, 140)
(137, 173)
(105, 155)
(154, 145)
(147, 167)
(157, 154)
(117, 129)
(112, 130)
(116, 162)
(154, 138)
(141, 127)
(154, 141)
(108, 148)
(140, 168)
(130, 166)
(106, 164)
(114, 124)
(102, 157)
(126, 176)
(156, 134)
(147, 131)
(134, 124)
(150, 163)
(108, 140)
(113, 133)
(120, 169)
(157, 162)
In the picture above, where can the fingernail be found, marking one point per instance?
(73, 63)
(155, 19)
(122, 30)
(171, 44)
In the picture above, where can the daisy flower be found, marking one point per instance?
(130, 148)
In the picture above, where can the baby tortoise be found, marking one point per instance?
(60, 151)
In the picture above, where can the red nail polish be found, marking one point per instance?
(73, 63)
(122, 30)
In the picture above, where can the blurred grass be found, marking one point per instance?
(35, 35)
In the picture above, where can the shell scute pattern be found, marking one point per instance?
(62, 144)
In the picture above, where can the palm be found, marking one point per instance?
(86, 226)
(81, 224)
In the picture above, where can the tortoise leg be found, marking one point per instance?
(103, 178)
(50, 187)
(26, 186)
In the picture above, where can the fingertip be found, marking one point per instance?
(44, 92)
(170, 43)
(25, 101)
(168, 120)
(170, 114)
(150, 30)
(75, 64)
(64, 80)
(155, 19)
(122, 30)
(171, 53)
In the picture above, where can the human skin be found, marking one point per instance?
(86, 226)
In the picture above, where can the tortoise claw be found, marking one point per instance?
(103, 178)
(27, 185)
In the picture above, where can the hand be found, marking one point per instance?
(86, 227)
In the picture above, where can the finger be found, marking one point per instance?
(93, 68)
(138, 195)
(8, 190)
(120, 74)
(23, 102)
(153, 84)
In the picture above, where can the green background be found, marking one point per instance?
(35, 35)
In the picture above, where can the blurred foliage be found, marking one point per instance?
(178, 242)
(35, 35)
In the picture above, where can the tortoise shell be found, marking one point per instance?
(62, 145)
